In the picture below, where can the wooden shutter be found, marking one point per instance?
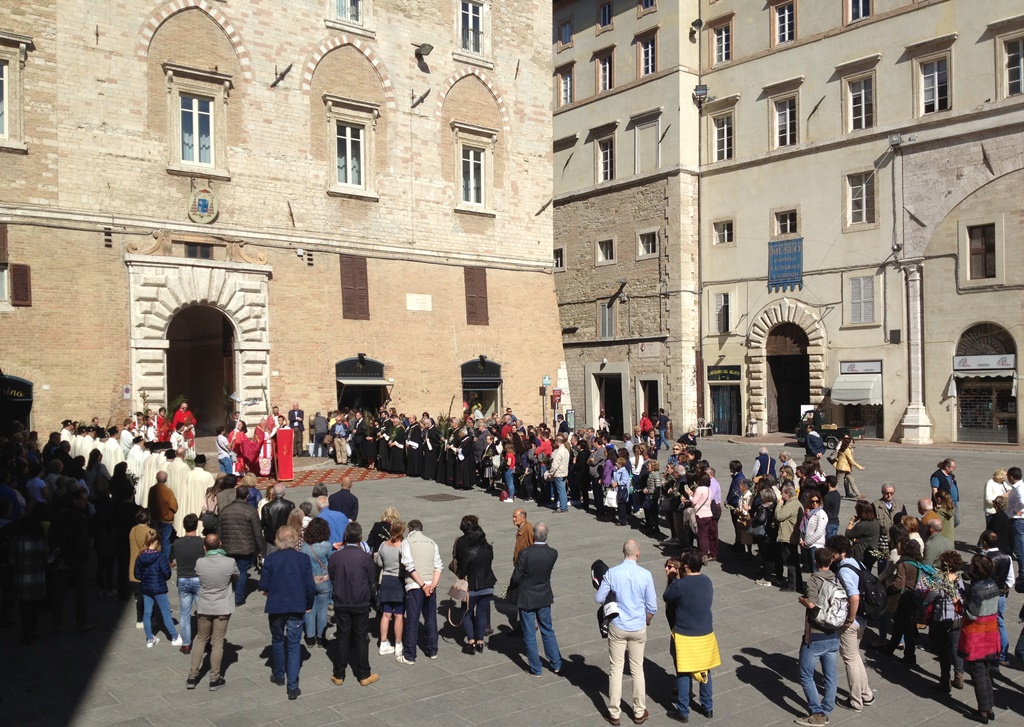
(3, 244)
(721, 304)
(21, 285)
(355, 292)
(476, 296)
(862, 300)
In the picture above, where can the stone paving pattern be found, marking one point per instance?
(109, 677)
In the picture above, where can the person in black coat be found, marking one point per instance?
(475, 565)
(353, 575)
(533, 574)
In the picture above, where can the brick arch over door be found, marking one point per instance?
(337, 41)
(158, 16)
(458, 76)
(773, 315)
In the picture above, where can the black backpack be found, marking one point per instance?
(873, 597)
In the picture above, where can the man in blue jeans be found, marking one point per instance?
(533, 574)
(662, 423)
(185, 552)
(420, 556)
(287, 582)
(559, 472)
(1015, 509)
(819, 646)
(241, 535)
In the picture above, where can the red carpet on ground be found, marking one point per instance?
(333, 475)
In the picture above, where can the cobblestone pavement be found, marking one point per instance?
(109, 677)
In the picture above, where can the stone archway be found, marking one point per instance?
(770, 317)
(161, 287)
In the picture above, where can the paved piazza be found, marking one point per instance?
(109, 677)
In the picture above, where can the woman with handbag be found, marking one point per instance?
(700, 498)
(317, 546)
(901, 603)
(844, 464)
(979, 636)
(392, 594)
(475, 568)
(945, 602)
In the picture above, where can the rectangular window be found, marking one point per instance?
(648, 56)
(606, 160)
(983, 251)
(724, 233)
(604, 15)
(196, 130)
(471, 26)
(722, 323)
(786, 223)
(860, 9)
(606, 320)
(723, 137)
(476, 296)
(785, 122)
(198, 251)
(472, 175)
(355, 293)
(935, 85)
(605, 73)
(349, 11)
(648, 243)
(565, 91)
(862, 104)
(559, 258)
(648, 4)
(605, 251)
(861, 198)
(3, 99)
(723, 43)
(1014, 69)
(862, 300)
(3, 282)
(785, 22)
(350, 155)
(565, 33)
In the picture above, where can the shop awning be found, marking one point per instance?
(857, 389)
(985, 374)
(367, 381)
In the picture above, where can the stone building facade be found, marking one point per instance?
(625, 203)
(317, 202)
(859, 212)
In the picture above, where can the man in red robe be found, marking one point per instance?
(184, 416)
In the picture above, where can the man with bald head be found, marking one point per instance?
(633, 589)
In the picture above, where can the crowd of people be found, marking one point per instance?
(157, 516)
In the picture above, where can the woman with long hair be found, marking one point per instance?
(392, 593)
(475, 565)
(317, 546)
(152, 570)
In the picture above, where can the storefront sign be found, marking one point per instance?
(723, 373)
(999, 362)
(785, 265)
(860, 367)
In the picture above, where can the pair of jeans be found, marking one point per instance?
(317, 619)
(620, 644)
(417, 603)
(225, 465)
(945, 638)
(285, 639)
(164, 530)
(563, 503)
(212, 630)
(478, 617)
(353, 644)
(830, 530)
(662, 439)
(188, 594)
(160, 599)
(510, 482)
(1004, 638)
(243, 562)
(823, 650)
(319, 450)
(530, 619)
(684, 683)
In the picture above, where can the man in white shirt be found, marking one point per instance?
(223, 452)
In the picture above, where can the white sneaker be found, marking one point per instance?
(177, 641)
(402, 660)
(510, 501)
(386, 648)
(150, 643)
(138, 625)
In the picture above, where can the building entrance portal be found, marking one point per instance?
(201, 365)
(789, 376)
(609, 391)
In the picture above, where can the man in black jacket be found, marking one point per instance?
(352, 575)
(533, 574)
(344, 501)
(275, 516)
(241, 537)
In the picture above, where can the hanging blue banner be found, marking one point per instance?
(785, 265)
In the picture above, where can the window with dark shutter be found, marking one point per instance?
(21, 285)
(3, 245)
(476, 296)
(355, 292)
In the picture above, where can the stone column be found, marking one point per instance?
(916, 424)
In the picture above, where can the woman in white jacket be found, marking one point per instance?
(812, 530)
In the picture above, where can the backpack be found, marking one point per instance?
(873, 598)
(832, 607)
(925, 578)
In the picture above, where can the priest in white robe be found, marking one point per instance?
(125, 439)
(154, 463)
(136, 458)
(194, 497)
(177, 479)
(111, 450)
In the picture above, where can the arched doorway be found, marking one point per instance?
(481, 385)
(361, 383)
(789, 376)
(985, 370)
(201, 364)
